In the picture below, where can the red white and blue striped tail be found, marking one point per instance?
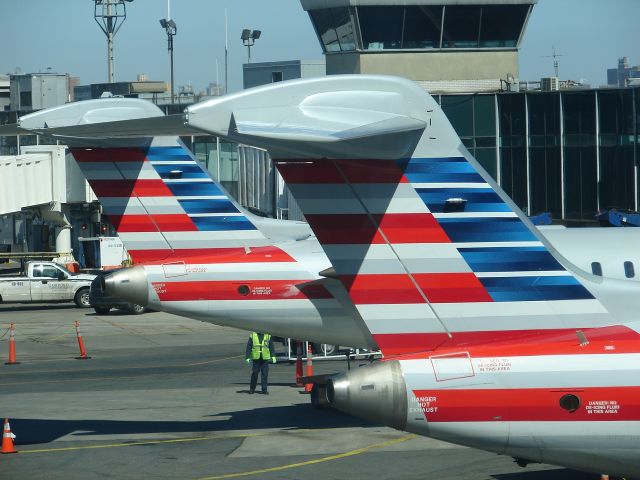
(428, 246)
(163, 204)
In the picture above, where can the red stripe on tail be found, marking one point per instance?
(130, 188)
(152, 223)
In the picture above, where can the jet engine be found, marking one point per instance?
(376, 392)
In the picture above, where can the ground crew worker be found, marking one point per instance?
(260, 351)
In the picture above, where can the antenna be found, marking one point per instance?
(555, 56)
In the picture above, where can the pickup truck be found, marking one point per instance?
(44, 282)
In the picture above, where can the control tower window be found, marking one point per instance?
(483, 26)
(334, 28)
(406, 27)
(461, 27)
(502, 25)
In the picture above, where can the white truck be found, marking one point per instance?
(44, 282)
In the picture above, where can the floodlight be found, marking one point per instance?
(249, 38)
(171, 28)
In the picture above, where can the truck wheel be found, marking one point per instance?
(82, 298)
(136, 309)
(102, 310)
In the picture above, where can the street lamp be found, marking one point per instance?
(171, 29)
(249, 37)
(110, 15)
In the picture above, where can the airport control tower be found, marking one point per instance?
(446, 45)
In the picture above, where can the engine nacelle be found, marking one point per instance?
(376, 392)
(128, 284)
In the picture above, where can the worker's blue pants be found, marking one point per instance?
(261, 366)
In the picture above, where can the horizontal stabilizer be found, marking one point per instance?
(173, 125)
(351, 115)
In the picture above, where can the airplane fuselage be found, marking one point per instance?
(280, 286)
(561, 398)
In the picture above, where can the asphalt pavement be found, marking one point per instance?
(167, 397)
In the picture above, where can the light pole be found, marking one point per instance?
(110, 15)
(171, 29)
(249, 38)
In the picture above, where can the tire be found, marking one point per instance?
(136, 309)
(82, 298)
(102, 310)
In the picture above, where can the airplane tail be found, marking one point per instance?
(431, 249)
(161, 201)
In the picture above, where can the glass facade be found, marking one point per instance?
(418, 27)
(545, 166)
(570, 153)
(474, 118)
(221, 159)
(616, 148)
(580, 155)
(513, 152)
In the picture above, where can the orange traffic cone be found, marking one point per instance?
(298, 363)
(7, 438)
(83, 352)
(309, 386)
(12, 347)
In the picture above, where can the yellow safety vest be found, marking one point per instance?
(258, 349)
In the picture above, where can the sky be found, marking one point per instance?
(39, 34)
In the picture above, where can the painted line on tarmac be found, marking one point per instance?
(330, 458)
(98, 370)
(214, 360)
(150, 442)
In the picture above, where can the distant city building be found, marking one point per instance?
(255, 74)
(445, 46)
(214, 90)
(140, 89)
(623, 75)
(35, 91)
(5, 92)
(73, 83)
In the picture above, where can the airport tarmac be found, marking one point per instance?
(167, 397)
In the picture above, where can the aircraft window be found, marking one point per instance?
(569, 402)
(596, 268)
(243, 290)
(629, 271)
